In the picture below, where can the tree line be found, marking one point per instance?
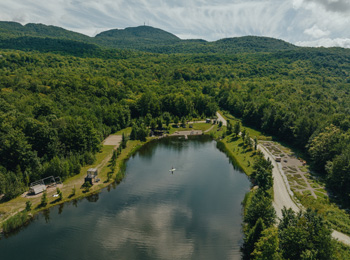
(59, 107)
(301, 235)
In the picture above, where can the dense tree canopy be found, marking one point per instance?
(61, 105)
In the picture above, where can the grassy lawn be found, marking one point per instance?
(244, 156)
(18, 204)
(336, 217)
(125, 131)
(196, 126)
(252, 132)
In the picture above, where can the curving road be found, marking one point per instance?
(283, 194)
(281, 189)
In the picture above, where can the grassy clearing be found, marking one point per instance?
(125, 131)
(304, 168)
(242, 155)
(15, 222)
(315, 185)
(72, 188)
(74, 183)
(321, 195)
(341, 251)
(195, 126)
(252, 132)
(296, 178)
(337, 218)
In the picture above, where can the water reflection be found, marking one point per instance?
(93, 197)
(194, 213)
(60, 208)
(46, 214)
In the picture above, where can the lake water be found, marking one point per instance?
(193, 213)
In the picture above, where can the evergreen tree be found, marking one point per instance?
(260, 207)
(237, 128)
(304, 235)
(44, 200)
(253, 236)
(267, 247)
(28, 205)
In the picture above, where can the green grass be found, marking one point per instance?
(304, 168)
(337, 218)
(196, 126)
(105, 151)
(18, 204)
(126, 131)
(247, 201)
(341, 251)
(295, 178)
(252, 132)
(321, 195)
(314, 185)
(15, 222)
(243, 156)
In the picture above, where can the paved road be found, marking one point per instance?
(220, 118)
(282, 194)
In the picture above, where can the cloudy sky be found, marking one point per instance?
(302, 22)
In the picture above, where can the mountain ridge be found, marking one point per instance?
(141, 38)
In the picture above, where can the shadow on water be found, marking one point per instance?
(46, 214)
(93, 197)
(222, 148)
(196, 211)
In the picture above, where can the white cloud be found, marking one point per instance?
(316, 32)
(159, 238)
(326, 42)
(294, 21)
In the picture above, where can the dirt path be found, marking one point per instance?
(206, 131)
(220, 118)
(283, 193)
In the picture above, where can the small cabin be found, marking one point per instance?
(278, 159)
(37, 189)
(208, 120)
(92, 171)
(91, 175)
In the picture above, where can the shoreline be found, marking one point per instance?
(130, 150)
(95, 189)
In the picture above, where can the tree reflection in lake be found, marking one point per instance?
(194, 213)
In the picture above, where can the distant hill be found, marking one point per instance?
(13, 29)
(143, 38)
(254, 44)
(141, 34)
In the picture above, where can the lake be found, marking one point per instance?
(194, 212)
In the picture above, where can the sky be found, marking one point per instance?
(301, 22)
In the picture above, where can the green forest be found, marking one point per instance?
(61, 96)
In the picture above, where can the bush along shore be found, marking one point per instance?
(112, 163)
(264, 239)
(300, 235)
(111, 173)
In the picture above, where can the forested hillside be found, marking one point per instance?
(56, 109)
(143, 38)
(62, 93)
